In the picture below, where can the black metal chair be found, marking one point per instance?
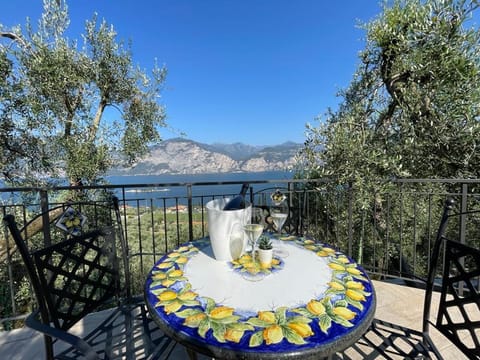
(457, 259)
(77, 260)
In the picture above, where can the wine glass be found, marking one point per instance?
(253, 232)
(278, 219)
(278, 210)
(278, 216)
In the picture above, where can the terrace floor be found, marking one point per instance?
(395, 303)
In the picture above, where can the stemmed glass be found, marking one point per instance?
(253, 232)
(279, 214)
(279, 210)
(278, 219)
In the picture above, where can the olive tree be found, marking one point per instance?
(70, 108)
(411, 111)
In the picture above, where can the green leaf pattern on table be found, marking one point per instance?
(167, 278)
(172, 301)
(220, 319)
(353, 291)
(179, 257)
(345, 294)
(276, 326)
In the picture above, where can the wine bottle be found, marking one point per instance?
(238, 202)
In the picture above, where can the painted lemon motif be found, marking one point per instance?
(273, 334)
(188, 295)
(326, 251)
(195, 320)
(245, 259)
(233, 335)
(344, 312)
(343, 259)
(185, 248)
(336, 286)
(221, 312)
(267, 316)
(159, 276)
(73, 222)
(175, 273)
(167, 295)
(354, 285)
(336, 266)
(316, 307)
(172, 307)
(355, 295)
(275, 261)
(165, 265)
(304, 330)
(181, 260)
(353, 271)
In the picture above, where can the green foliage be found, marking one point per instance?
(412, 108)
(264, 243)
(155, 231)
(411, 111)
(54, 93)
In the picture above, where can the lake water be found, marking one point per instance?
(164, 190)
(190, 178)
(164, 186)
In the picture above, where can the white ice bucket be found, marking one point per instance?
(226, 229)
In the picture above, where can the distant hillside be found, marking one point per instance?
(237, 151)
(182, 156)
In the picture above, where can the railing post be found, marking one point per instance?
(190, 212)
(252, 202)
(47, 241)
(292, 211)
(463, 228)
(8, 259)
(463, 218)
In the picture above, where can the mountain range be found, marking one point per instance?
(183, 156)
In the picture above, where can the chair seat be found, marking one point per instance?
(385, 340)
(123, 332)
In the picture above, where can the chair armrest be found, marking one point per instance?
(78, 343)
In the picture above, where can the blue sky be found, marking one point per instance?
(251, 71)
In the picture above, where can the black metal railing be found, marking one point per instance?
(389, 229)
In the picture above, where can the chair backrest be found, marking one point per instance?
(458, 314)
(77, 270)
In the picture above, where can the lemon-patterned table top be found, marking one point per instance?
(318, 303)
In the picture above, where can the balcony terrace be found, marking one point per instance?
(398, 304)
(390, 235)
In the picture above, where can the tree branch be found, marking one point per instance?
(16, 38)
(96, 120)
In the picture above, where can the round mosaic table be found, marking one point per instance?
(312, 302)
